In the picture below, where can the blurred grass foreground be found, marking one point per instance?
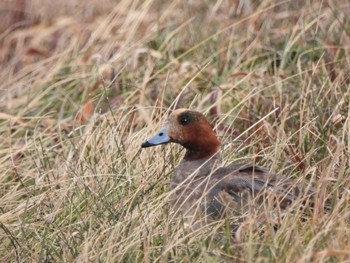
(83, 83)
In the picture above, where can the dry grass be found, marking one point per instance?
(83, 83)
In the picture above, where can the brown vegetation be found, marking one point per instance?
(83, 83)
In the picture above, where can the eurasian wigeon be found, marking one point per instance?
(200, 184)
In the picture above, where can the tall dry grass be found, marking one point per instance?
(83, 83)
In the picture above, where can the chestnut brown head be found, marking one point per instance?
(190, 129)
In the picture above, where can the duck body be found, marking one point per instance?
(190, 182)
(200, 185)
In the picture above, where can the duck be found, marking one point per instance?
(201, 186)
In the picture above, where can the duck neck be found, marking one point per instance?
(206, 147)
(196, 169)
(193, 155)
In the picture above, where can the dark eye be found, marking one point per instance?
(184, 120)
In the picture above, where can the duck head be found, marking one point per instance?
(189, 129)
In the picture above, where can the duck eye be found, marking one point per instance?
(184, 120)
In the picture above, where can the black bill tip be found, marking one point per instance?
(146, 144)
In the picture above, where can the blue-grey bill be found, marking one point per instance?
(160, 138)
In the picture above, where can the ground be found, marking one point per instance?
(84, 83)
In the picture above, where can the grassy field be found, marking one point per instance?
(83, 83)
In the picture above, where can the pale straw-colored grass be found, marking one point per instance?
(83, 83)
